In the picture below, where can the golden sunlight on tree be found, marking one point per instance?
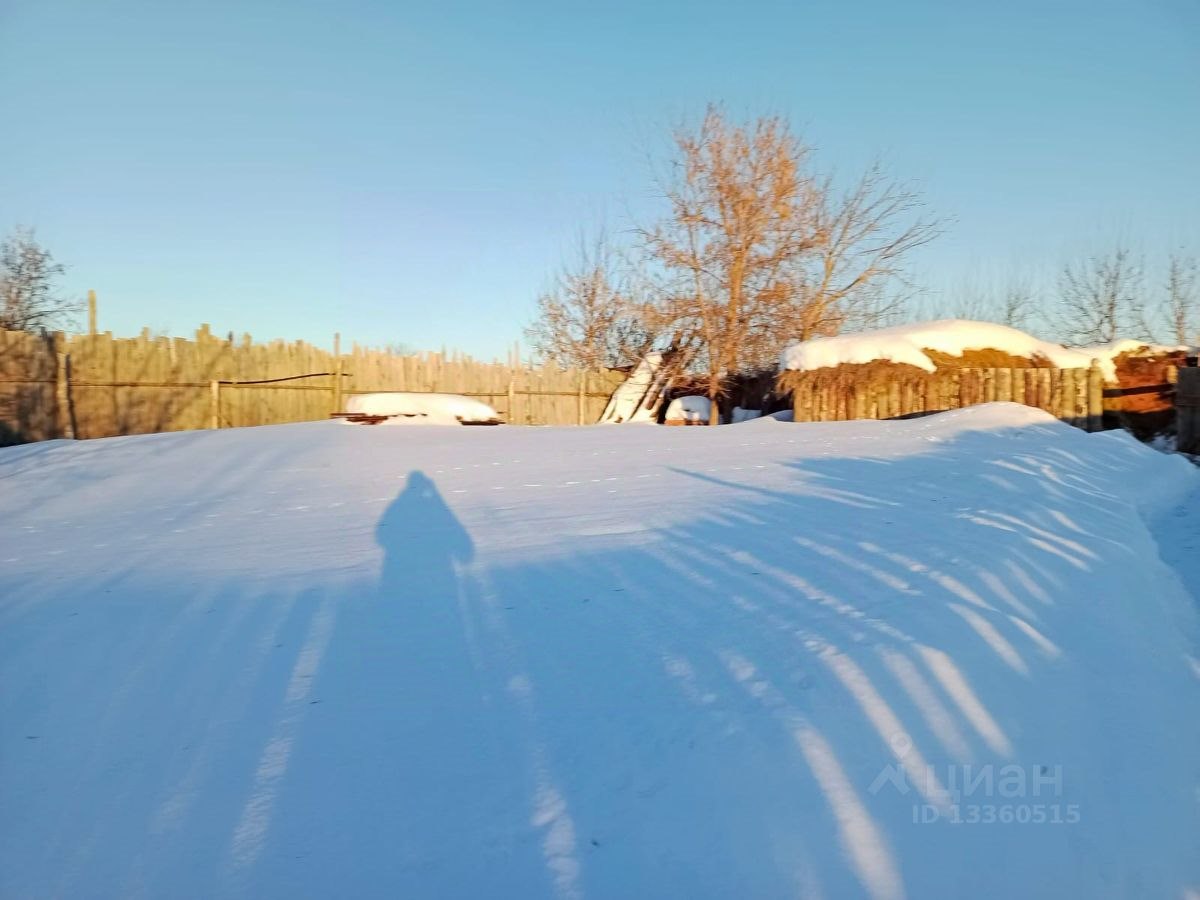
(589, 319)
(757, 250)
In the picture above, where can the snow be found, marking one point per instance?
(907, 343)
(441, 409)
(627, 403)
(314, 660)
(688, 409)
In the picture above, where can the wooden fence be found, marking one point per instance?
(95, 385)
(1075, 396)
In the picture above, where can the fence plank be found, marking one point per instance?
(62, 394)
(1020, 385)
(1056, 393)
(1066, 395)
(1006, 381)
(859, 401)
(1041, 388)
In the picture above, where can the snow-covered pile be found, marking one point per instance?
(907, 344)
(939, 658)
(689, 409)
(432, 409)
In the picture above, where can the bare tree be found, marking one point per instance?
(737, 219)
(863, 239)
(590, 318)
(1004, 300)
(757, 252)
(1183, 300)
(960, 301)
(1102, 299)
(1016, 305)
(28, 298)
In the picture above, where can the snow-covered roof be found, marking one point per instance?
(907, 344)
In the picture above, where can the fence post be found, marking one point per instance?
(512, 396)
(214, 398)
(1095, 397)
(66, 414)
(91, 312)
(582, 390)
(337, 371)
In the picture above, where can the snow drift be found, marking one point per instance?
(933, 658)
(908, 343)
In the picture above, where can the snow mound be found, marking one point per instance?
(906, 344)
(430, 409)
(689, 409)
(943, 657)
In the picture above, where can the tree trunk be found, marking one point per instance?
(714, 389)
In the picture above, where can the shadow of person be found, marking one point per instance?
(420, 612)
(404, 750)
(422, 541)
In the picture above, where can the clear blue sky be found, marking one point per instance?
(412, 172)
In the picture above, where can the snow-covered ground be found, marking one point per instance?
(947, 657)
